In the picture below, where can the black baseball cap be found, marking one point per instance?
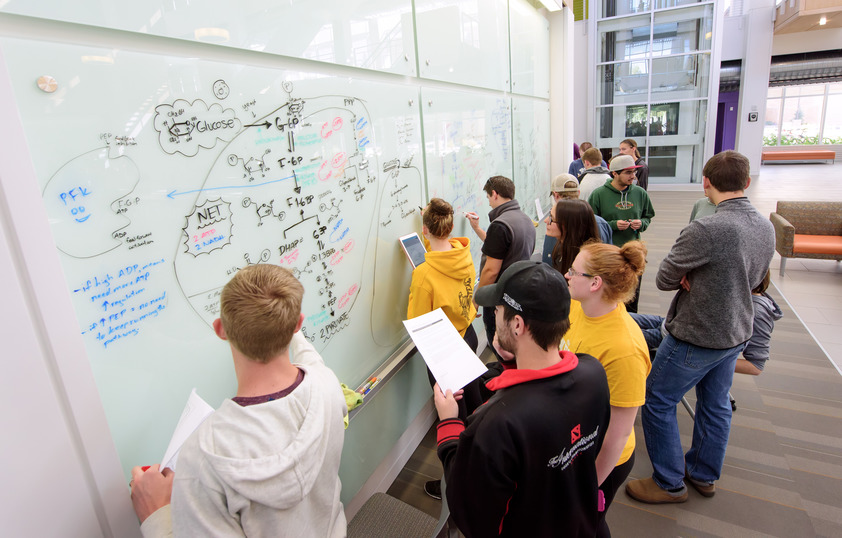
(532, 288)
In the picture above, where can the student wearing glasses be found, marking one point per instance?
(601, 279)
(571, 223)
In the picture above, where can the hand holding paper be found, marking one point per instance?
(449, 358)
(195, 412)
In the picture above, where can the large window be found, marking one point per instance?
(652, 82)
(808, 114)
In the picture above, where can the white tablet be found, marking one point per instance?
(414, 249)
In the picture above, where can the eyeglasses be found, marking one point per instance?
(572, 272)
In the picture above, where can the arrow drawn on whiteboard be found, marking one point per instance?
(174, 193)
(264, 124)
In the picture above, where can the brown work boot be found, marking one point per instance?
(705, 489)
(646, 490)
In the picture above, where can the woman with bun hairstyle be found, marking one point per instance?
(629, 147)
(572, 223)
(601, 279)
(446, 280)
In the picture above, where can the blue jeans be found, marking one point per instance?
(677, 367)
(651, 327)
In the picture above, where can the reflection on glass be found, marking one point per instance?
(614, 8)
(683, 30)
(626, 82)
(771, 126)
(662, 161)
(624, 39)
(663, 120)
(681, 76)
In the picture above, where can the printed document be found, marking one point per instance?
(448, 357)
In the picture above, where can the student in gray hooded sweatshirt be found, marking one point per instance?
(266, 462)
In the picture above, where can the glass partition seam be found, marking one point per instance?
(822, 117)
(659, 57)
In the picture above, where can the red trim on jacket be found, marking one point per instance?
(502, 519)
(508, 378)
(449, 429)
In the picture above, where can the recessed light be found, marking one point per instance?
(823, 21)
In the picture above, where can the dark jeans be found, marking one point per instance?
(631, 306)
(609, 488)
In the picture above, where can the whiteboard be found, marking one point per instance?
(159, 188)
(467, 139)
(530, 36)
(531, 153)
(464, 41)
(371, 34)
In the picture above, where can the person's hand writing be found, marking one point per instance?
(151, 490)
(446, 405)
(622, 224)
(473, 220)
(685, 283)
(635, 224)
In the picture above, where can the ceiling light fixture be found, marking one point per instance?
(823, 21)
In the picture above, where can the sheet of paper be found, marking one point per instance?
(195, 412)
(448, 357)
(540, 211)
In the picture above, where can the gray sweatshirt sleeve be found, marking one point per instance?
(691, 250)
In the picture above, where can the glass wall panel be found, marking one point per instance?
(833, 119)
(680, 123)
(661, 4)
(626, 82)
(801, 119)
(681, 77)
(804, 90)
(834, 87)
(771, 125)
(675, 164)
(624, 39)
(775, 92)
(683, 30)
(614, 8)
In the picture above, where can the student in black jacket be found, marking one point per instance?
(524, 463)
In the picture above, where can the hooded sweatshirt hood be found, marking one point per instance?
(287, 449)
(268, 466)
(445, 280)
(452, 263)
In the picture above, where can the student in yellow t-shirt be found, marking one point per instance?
(601, 279)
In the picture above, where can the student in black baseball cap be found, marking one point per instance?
(536, 440)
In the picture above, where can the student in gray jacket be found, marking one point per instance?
(714, 264)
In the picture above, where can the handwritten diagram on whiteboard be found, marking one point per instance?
(160, 187)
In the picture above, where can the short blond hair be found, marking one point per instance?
(260, 308)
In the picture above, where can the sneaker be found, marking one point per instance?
(646, 490)
(433, 489)
(704, 488)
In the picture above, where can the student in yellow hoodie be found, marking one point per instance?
(446, 280)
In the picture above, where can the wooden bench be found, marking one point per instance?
(798, 156)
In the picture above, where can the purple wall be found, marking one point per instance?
(726, 121)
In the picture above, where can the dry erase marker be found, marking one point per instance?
(145, 468)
